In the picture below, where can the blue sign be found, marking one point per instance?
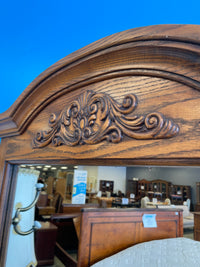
(79, 187)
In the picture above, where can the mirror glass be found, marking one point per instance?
(113, 183)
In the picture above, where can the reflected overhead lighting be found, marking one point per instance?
(39, 167)
(64, 168)
(47, 166)
(75, 167)
(23, 166)
(32, 167)
(53, 168)
(45, 169)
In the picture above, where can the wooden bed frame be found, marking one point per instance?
(129, 99)
(105, 232)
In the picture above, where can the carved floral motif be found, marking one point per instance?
(95, 117)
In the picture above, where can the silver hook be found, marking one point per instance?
(16, 219)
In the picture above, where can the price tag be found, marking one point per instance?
(124, 201)
(149, 220)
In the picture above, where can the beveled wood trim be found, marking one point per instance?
(7, 202)
(114, 162)
(3, 145)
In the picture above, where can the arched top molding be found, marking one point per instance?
(168, 51)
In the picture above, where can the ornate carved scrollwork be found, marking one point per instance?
(95, 117)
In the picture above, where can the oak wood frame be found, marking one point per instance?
(159, 63)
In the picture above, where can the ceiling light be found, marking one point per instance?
(53, 168)
(64, 168)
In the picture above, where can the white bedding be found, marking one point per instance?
(172, 252)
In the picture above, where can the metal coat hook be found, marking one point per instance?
(16, 219)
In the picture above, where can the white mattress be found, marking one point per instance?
(170, 252)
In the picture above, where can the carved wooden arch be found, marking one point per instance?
(157, 51)
(156, 67)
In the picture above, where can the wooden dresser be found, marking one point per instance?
(45, 240)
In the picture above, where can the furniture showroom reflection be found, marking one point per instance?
(108, 187)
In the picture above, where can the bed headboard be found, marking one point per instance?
(105, 232)
(130, 98)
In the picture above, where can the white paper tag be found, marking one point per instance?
(124, 201)
(149, 220)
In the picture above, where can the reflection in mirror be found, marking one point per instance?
(59, 178)
(106, 185)
(65, 185)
